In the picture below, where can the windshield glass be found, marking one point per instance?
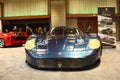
(65, 31)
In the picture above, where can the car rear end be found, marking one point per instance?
(16, 38)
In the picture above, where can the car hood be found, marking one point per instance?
(61, 43)
(64, 46)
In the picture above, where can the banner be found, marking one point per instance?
(107, 26)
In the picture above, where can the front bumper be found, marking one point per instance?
(62, 63)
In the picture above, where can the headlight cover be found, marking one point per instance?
(30, 44)
(94, 43)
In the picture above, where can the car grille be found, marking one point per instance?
(60, 63)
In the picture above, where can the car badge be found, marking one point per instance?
(59, 64)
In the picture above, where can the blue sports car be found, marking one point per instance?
(63, 47)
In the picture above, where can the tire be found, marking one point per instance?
(2, 44)
(99, 60)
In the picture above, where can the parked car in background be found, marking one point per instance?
(12, 38)
(63, 47)
(108, 40)
(107, 31)
(106, 22)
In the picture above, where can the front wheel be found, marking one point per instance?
(2, 44)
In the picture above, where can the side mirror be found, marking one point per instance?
(88, 29)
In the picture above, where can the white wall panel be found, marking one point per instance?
(88, 6)
(25, 7)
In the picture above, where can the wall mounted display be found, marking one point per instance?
(107, 26)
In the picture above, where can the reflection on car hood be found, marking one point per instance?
(61, 43)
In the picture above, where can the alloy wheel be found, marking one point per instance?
(2, 43)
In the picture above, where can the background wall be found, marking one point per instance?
(72, 22)
(0, 17)
(58, 10)
(118, 21)
(58, 13)
(25, 8)
(88, 6)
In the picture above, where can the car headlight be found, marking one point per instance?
(94, 43)
(30, 44)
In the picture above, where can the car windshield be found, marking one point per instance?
(65, 31)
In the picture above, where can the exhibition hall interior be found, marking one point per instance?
(59, 39)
